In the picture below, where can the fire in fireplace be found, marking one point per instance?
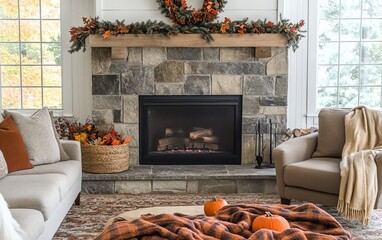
(190, 129)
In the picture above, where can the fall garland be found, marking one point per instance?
(181, 14)
(186, 21)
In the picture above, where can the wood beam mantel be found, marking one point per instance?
(188, 40)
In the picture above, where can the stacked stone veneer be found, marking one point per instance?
(117, 83)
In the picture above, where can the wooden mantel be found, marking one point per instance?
(119, 44)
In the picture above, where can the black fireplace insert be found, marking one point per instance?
(190, 129)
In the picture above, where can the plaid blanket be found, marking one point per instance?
(232, 222)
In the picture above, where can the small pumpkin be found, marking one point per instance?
(270, 221)
(214, 205)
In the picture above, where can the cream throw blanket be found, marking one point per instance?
(359, 186)
(9, 228)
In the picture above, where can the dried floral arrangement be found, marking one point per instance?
(186, 20)
(88, 133)
(181, 14)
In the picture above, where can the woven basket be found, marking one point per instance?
(105, 159)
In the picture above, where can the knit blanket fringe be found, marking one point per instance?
(350, 214)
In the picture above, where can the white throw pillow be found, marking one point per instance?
(38, 136)
(3, 166)
(9, 228)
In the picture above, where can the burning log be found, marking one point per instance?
(201, 132)
(174, 132)
(211, 139)
(172, 143)
(206, 146)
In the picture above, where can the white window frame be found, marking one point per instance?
(67, 96)
(66, 60)
(312, 109)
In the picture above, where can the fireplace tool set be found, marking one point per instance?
(260, 146)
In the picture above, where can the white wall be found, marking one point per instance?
(299, 89)
(136, 11)
(77, 66)
(295, 10)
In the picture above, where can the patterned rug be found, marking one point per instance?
(88, 219)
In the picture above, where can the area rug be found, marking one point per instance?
(87, 220)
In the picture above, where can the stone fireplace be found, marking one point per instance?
(261, 83)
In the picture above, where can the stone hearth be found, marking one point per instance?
(183, 179)
(117, 83)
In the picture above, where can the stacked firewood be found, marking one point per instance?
(298, 132)
(198, 139)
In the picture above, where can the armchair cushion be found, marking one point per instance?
(324, 174)
(331, 127)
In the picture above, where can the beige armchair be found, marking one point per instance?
(307, 167)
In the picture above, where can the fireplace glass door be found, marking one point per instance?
(190, 129)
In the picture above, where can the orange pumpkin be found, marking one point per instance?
(211, 207)
(269, 221)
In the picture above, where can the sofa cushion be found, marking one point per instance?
(31, 222)
(42, 192)
(12, 146)
(70, 168)
(324, 174)
(38, 136)
(331, 137)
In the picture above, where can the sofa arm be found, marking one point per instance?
(72, 148)
(291, 151)
(295, 149)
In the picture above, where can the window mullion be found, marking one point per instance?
(339, 54)
(41, 60)
(360, 83)
(20, 56)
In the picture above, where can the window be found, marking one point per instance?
(30, 54)
(349, 53)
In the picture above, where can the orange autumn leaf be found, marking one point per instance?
(107, 139)
(115, 142)
(269, 24)
(106, 34)
(242, 30)
(74, 32)
(183, 3)
(122, 29)
(225, 25)
(301, 23)
(127, 140)
(213, 12)
(227, 20)
(224, 28)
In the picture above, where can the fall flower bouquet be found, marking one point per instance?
(88, 133)
(103, 151)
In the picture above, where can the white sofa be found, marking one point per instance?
(39, 198)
